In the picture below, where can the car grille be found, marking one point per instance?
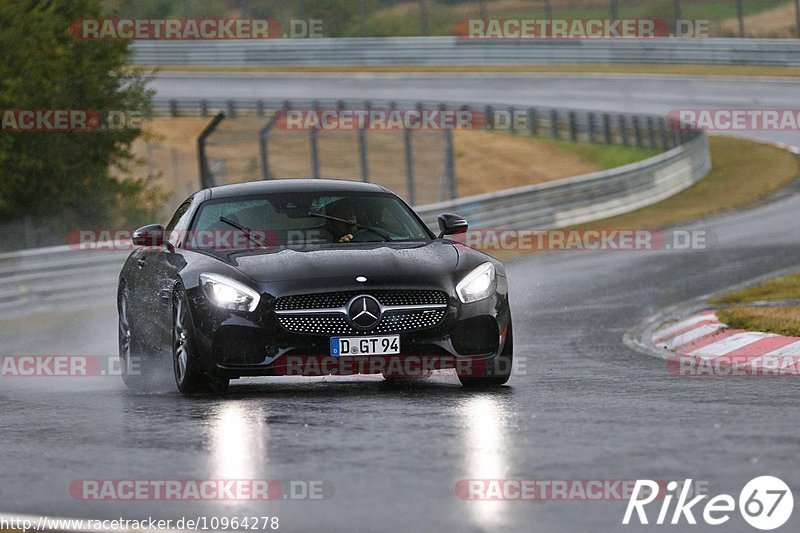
(330, 300)
(323, 314)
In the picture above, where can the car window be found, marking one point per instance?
(180, 221)
(308, 218)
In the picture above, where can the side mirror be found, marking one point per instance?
(451, 224)
(152, 235)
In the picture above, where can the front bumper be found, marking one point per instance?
(232, 344)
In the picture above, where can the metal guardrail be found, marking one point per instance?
(45, 278)
(41, 279)
(583, 198)
(443, 51)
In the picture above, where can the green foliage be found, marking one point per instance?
(336, 15)
(80, 177)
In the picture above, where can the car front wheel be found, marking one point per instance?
(497, 371)
(189, 376)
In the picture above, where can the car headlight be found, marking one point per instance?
(478, 284)
(228, 293)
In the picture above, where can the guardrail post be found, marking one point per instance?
(573, 127)
(533, 122)
(312, 138)
(651, 132)
(231, 109)
(362, 146)
(29, 230)
(361, 16)
(263, 136)
(203, 107)
(489, 117)
(740, 16)
(449, 162)
(260, 108)
(623, 135)
(409, 162)
(662, 127)
(590, 126)
(607, 128)
(449, 159)
(797, 15)
(637, 132)
(173, 108)
(554, 124)
(206, 178)
(423, 17)
(513, 125)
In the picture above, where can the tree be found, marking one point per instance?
(81, 177)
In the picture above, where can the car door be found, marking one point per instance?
(163, 267)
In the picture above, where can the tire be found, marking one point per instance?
(498, 370)
(137, 369)
(190, 377)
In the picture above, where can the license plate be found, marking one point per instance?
(384, 345)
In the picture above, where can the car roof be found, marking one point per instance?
(292, 185)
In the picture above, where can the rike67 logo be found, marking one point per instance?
(765, 503)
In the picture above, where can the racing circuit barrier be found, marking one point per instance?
(46, 278)
(448, 51)
(423, 179)
(62, 276)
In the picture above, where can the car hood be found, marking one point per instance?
(376, 261)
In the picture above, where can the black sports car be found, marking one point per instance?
(309, 277)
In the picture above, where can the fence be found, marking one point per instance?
(420, 165)
(45, 278)
(450, 51)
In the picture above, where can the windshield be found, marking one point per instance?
(302, 219)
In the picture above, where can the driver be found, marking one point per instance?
(341, 209)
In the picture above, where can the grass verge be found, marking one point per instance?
(783, 320)
(780, 320)
(730, 185)
(604, 156)
(743, 173)
(783, 288)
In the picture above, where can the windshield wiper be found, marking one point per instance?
(247, 232)
(382, 234)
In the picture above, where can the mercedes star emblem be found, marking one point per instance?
(364, 312)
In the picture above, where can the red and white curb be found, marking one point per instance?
(703, 338)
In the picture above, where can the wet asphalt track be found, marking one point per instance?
(582, 406)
